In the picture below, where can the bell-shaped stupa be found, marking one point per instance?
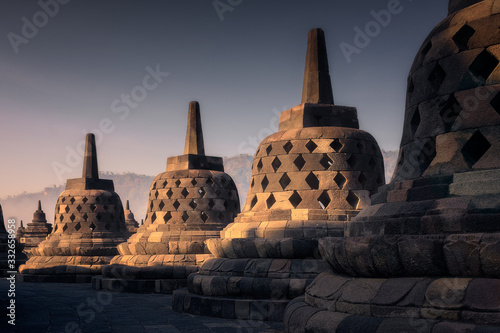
(130, 221)
(88, 225)
(19, 235)
(308, 180)
(35, 232)
(191, 202)
(426, 254)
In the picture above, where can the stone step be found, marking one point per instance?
(229, 308)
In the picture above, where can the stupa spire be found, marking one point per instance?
(90, 169)
(128, 206)
(194, 135)
(39, 205)
(317, 86)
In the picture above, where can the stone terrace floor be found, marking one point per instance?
(52, 307)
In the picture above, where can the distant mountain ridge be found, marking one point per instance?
(135, 188)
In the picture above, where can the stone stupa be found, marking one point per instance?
(130, 221)
(191, 202)
(425, 256)
(35, 232)
(19, 235)
(307, 181)
(89, 223)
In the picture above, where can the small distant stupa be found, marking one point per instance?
(35, 232)
(130, 221)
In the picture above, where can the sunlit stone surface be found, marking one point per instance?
(89, 224)
(307, 181)
(424, 257)
(191, 202)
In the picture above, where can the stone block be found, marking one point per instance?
(445, 327)
(408, 325)
(440, 314)
(324, 321)
(385, 256)
(228, 309)
(422, 256)
(447, 293)
(360, 324)
(483, 295)
(392, 291)
(242, 309)
(489, 254)
(462, 254)
(359, 256)
(361, 291)
(297, 288)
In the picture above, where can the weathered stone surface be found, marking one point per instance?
(393, 292)
(189, 203)
(89, 224)
(324, 321)
(405, 325)
(462, 255)
(490, 260)
(385, 255)
(439, 217)
(483, 295)
(308, 180)
(447, 293)
(422, 256)
(35, 232)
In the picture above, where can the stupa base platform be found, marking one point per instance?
(139, 286)
(146, 279)
(335, 303)
(301, 317)
(259, 287)
(55, 278)
(229, 308)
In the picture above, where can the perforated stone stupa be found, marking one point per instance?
(191, 202)
(425, 256)
(88, 225)
(307, 180)
(35, 232)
